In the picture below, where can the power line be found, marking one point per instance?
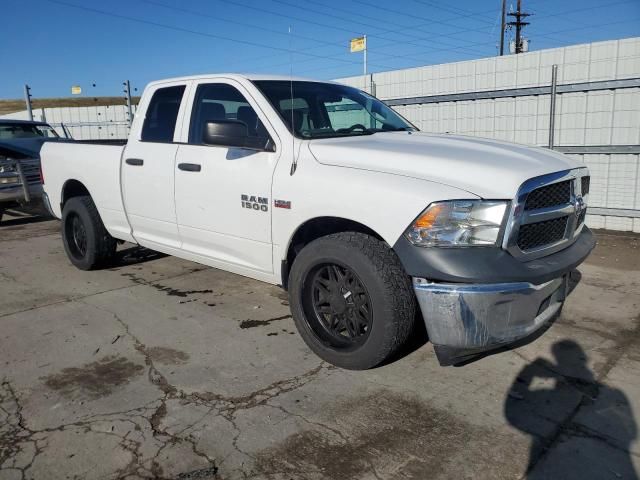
(410, 15)
(300, 52)
(219, 18)
(226, 20)
(202, 14)
(335, 27)
(547, 33)
(270, 30)
(203, 34)
(432, 39)
(224, 38)
(291, 17)
(404, 27)
(403, 30)
(456, 10)
(585, 9)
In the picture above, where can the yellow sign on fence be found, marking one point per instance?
(358, 44)
(76, 90)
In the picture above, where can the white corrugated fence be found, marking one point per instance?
(433, 99)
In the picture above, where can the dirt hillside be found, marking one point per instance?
(11, 106)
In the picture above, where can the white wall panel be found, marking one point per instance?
(84, 123)
(628, 58)
(607, 117)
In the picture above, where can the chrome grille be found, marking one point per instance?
(31, 172)
(534, 235)
(549, 196)
(582, 216)
(547, 214)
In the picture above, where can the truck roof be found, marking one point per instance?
(238, 76)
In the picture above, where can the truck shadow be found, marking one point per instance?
(417, 339)
(134, 255)
(13, 217)
(579, 427)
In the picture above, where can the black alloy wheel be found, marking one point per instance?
(85, 239)
(78, 235)
(338, 307)
(351, 299)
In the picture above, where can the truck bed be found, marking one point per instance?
(94, 166)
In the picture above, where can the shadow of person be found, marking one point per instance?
(580, 428)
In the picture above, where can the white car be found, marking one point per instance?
(323, 189)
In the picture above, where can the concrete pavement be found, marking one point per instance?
(162, 368)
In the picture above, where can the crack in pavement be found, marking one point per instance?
(224, 406)
(137, 281)
(16, 438)
(14, 434)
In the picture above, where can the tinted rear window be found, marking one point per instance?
(162, 115)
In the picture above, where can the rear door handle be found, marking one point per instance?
(190, 167)
(136, 162)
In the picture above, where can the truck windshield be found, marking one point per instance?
(26, 130)
(322, 110)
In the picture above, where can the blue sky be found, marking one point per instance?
(53, 44)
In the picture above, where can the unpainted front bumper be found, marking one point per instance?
(466, 320)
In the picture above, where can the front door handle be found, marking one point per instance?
(190, 167)
(136, 162)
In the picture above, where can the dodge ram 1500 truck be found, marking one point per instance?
(323, 189)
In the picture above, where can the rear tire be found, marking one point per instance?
(351, 300)
(86, 242)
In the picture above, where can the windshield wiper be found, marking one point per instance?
(397, 129)
(355, 133)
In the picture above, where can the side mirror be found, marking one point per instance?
(233, 133)
(228, 133)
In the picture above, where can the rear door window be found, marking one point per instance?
(162, 115)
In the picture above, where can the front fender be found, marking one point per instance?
(383, 202)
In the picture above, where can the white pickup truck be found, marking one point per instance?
(323, 189)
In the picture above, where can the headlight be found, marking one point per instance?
(8, 173)
(458, 223)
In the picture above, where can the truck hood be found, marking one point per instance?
(487, 168)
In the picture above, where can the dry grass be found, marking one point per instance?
(11, 106)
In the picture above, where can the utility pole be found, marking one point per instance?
(27, 100)
(518, 23)
(127, 93)
(503, 26)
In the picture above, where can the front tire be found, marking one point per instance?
(351, 300)
(86, 241)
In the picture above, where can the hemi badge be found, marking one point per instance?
(282, 204)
